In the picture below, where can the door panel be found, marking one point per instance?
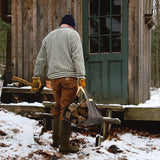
(105, 41)
(115, 78)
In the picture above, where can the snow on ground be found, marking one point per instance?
(20, 139)
(153, 102)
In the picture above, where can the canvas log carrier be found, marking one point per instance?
(82, 110)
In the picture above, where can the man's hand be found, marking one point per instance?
(36, 84)
(81, 82)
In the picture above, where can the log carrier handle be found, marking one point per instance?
(80, 90)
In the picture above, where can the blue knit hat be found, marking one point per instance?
(68, 19)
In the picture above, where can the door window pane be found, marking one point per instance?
(105, 25)
(116, 43)
(94, 23)
(104, 7)
(93, 7)
(105, 44)
(116, 6)
(94, 44)
(116, 24)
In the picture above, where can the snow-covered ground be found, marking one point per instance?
(20, 139)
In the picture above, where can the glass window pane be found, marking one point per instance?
(116, 6)
(105, 44)
(94, 22)
(94, 45)
(104, 7)
(116, 43)
(116, 24)
(105, 25)
(93, 7)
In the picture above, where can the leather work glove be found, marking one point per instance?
(36, 84)
(81, 82)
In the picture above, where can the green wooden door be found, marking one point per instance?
(105, 42)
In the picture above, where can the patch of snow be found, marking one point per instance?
(25, 104)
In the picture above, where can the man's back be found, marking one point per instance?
(64, 52)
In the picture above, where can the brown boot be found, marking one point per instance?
(64, 131)
(55, 128)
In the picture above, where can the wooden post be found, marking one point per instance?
(108, 121)
(49, 106)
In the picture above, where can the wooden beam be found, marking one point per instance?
(25, 91)
(110, 120)
(21, 109)
(44, 115)
(142, 113)
(118, 108)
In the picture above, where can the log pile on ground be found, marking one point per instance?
(77, 113)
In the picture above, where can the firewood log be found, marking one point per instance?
(81, 119)
(68, 115)
(83, 104)
(74, 121)
(75, 114)
(83, 112)
(72, 107)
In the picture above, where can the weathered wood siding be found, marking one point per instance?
(32, 20)
(139, 52)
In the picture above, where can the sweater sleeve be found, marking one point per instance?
(77, 54)
(40, 61)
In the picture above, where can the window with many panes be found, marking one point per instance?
(105, 31)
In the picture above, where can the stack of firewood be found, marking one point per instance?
(77, 113)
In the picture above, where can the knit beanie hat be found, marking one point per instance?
(68, 19)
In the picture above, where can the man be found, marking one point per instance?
(62, 50)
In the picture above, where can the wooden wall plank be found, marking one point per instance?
(149, 50)
(45, 13)
(79, 18)
(140, 51)
(145, 51)
(68, 6)
(52, 11)
(55, 16)
(30, 39)
(131, 51)
(35, 37)
(60, 11)
(19, 54)
(26, 40)
(72, 7)
(42, 26)
(14, 35)
(38, 25)
(75, 14)
(49, 15)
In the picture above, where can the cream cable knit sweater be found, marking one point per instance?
(62, 50)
